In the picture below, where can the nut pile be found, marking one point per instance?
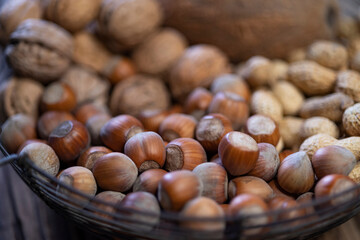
(123, 109)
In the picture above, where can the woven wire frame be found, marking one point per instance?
(94, 214)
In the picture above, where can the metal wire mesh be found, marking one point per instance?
(92, 215)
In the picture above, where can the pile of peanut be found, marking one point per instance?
(122, 108)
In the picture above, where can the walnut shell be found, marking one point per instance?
(20, 95)
(137, 94)
(128, 22)
(71, 15)
(39, 49)
(87, 85)
(264, 102)
(13, 12)
(197, 67)
(159, 51)
(348, 82)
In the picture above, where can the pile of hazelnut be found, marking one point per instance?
(121, 108)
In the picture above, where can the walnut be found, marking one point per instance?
(39, 49)
(72, 15)
(137, 94)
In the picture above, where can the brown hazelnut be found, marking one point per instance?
(177, 125)
(58, 97)
(295, 174)
(263, 129)
(277, 190)
(118, 69)
(267, 164)
(286, 209)
(211, 129)
(283, 154)
(147, 150)
(231, 83)
(94, 125)
(88, 158)
(238, 153)
(214, 180)
(148, 181)
(232, 106)
(69, 140)
(115, 172)
(251, 185)
(118, 130)
(48, 121)
(111, 198)
(86, 111)
(16, 130)
(43, 156)
(333, 160)
(306, 199)
(29, 141)
(177, 188)
(197, 102)
(184, 153)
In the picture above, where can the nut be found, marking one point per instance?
(351, 120)
(16, 130)
(115, 172)
(264, 102)
(238, 153)
(110, 197)
(119, 68)
(148, 181)
(43, 156)
(232, 106)
(315, 142)
(347, 82)
(32, 53)
(250, 185)
(88, 158)
(58, 97)
(69, 140)
(267, 164)
(29, 141)
(316, 125)
(333, 160)
(184, 153)
(296, 55)
(350, 143)
(118, 130)
(214, 180)
(256, 71)
(290, 98)
(177, 125)
(311, 78)
(197, 102)
(277, 190)
(177, 188)
(197, 67)
(285, 153)
(94, 125)
(286, 209)
(84, 112)
(290, 131)
(231, 83)
(48, 121)
(355, 173)
(159, 51)
(147, 150)
(295, 174)
(262, 129)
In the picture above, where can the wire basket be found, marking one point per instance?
(120, 222)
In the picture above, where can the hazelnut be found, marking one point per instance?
(264, 102)
(43, 156)
(263, 129)
(305, 199)
(184, 153)
(29, 141)
(347, 83)
(110, 198)
(333, 160)
(177, 125)
(251, 185)
(211, 129)
(177, 188)
(231, 83)
(84, 112)
(295, 174)
(197, 102)
(118, 69)
(283, 154)
(267, 163)
(79, 178)
(58, 97)
(214, 180)
(286, 208)
(118, 130)
(115, 172)
(88, 158)
(69, 140)
(148, 181)
(315, 125)
(94, 125)
(203, 207)
(48, 121)
(238, 153)
(16, 130)
(350, 120)
(232, 106)
(277, 190)
(147, 150)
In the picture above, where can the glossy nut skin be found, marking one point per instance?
(211, 129)
(115, 172)
(197, 102)
(147, 150)
(120, 70)
(214, 180)
(184, 153)
(177, 188)
(69, 140)
(94, 125)
(251, 185)
(262, 129)
(148, 181)
(84, 112)
(58, 96)
(88, 158)
(282, 205)
(110, 197)
(118, 130)
(50, 120)
(238, 153)
(177, 125)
